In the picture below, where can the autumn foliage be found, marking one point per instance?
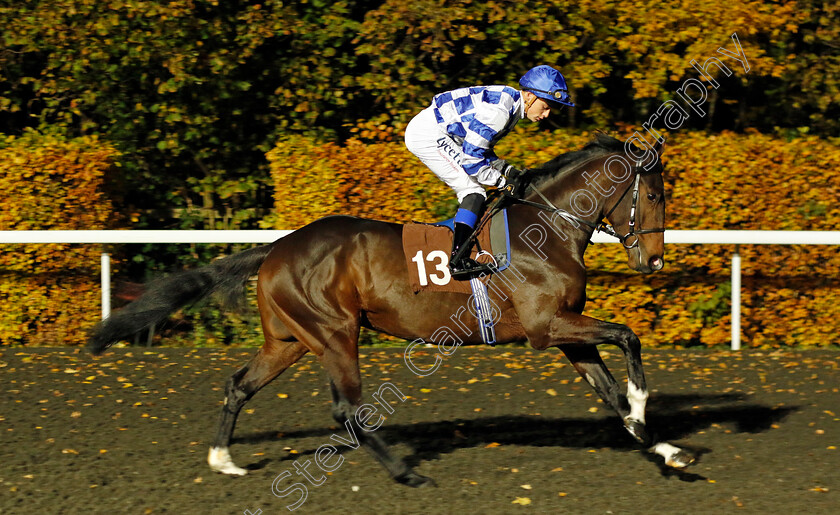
(379, 180)
(714, 181)
(195, 94)
(50, 293)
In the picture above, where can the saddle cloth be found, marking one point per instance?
(427, 249)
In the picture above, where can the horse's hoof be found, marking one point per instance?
(637, 430)
(220, 461)
(415, 480)
(674, 456)
(680, 460)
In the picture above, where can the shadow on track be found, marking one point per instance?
(677, 416)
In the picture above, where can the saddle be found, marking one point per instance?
(427, 250)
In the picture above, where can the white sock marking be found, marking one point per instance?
(220, 461)
(638, 400)
(669, 452)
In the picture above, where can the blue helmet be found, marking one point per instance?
(548, 84)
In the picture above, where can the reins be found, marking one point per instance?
(602, 226)
(500, 198)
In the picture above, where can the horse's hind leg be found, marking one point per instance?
(271, 360)
(346, 388)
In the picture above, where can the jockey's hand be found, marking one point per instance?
(516, 181)
(502, 166)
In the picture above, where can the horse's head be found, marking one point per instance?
(636, 210)
(615, 180)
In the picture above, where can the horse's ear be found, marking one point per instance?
(659, 147)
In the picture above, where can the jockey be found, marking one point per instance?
(454, 138)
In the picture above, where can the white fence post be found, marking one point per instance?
(736, 300)
(105, 279)
(267, 236)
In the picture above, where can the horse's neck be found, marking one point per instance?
(586, 197)
(559, 230)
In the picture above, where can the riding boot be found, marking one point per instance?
(465, 220)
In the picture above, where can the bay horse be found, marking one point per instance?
(320, 284)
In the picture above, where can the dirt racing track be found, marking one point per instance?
(500, 430)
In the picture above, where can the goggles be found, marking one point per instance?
(558, 94)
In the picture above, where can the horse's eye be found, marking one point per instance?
(651, 197)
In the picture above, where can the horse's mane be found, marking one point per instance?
(601, 145)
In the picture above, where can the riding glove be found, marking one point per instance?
(516, 181)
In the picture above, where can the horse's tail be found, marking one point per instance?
(164, 296)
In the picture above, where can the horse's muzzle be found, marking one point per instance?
(656, 263)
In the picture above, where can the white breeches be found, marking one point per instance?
(438, 151)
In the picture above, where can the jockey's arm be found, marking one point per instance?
(489, 120)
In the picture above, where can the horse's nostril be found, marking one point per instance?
(656, 263)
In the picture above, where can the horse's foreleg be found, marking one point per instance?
(345, 385)
(637, 393)
(637, 396)
(271, 360)
(574, 332)
(587, 361)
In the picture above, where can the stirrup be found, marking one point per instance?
(467, 268)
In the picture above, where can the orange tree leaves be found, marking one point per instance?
(736, 181)
(50, 293)
(383, 181)
(195, 92)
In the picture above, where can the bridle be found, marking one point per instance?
(633, 233)
(603, 226)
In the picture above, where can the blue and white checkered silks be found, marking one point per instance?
(477, 118)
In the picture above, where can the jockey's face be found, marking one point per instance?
(536, 108)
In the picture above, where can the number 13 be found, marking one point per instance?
(441, 276)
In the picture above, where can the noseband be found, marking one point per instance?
(604, 226)
(633, 233)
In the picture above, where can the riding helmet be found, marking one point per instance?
(548, 84)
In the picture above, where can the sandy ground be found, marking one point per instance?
(500, 430)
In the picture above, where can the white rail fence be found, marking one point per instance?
(264, 236)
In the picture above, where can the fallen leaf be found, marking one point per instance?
(524, 501)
